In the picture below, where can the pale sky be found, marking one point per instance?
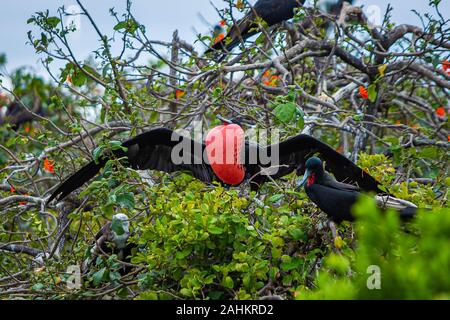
(161, 18)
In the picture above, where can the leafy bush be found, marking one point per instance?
(413, 259)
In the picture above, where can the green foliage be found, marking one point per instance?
(413, 260)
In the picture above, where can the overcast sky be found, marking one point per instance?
(161, 18)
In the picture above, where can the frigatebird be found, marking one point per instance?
(16, 115)
(271, 11)
(336, 199)
(112, 238)
(230, 159)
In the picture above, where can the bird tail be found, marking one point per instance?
(406, 209)
(77, 180)
(408, 213)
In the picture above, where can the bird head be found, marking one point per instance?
(240, 120)
(313, 171)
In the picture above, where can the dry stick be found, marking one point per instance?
(173, 71)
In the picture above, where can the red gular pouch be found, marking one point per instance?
(224, 145)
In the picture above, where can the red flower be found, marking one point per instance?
(12, 189)
(448, 138)
(22, 203)
(446, 65)
(363, 93)
(49, 165)
(222, 23)
(440, 112)
(179, 94)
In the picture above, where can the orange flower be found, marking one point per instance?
(440, 112)
(266, 74)
(398, 122)
(22, 203)
(219, 38)
(363, 93)
(448, 138)
(27, 128)
(69, 79)
(446, 65)
(12, 189)
(269, 79)
(49, 165)
(179, 94)
(274, 78)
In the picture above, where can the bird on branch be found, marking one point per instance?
(336, 199)
(271, 12)
(225, 156)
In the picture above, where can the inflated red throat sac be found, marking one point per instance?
(224, 145)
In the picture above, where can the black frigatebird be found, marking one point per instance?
(271, 11)
(230, 159)
(16, 115)
(336, 199)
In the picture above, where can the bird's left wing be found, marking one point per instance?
(294, 152)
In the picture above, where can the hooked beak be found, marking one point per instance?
(224, 120)
(303, 181)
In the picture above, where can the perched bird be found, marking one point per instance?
(229, 158)
(112, 238)
(271, 11)
(336, 198)
(17, 115)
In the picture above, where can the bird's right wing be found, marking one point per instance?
(294, 152)
(159, 149)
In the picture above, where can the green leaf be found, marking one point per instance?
(228, 282)
(37, 287)
(53, 21)
(215, 230)
(301, 118)
(78, 78)
(276, 198)
(186, 292)
(120, 25)
(126, 200)
(372, 92)
(114, 276)
(285, 112)
(117, 226)
(129, 25)
(291, 264)
(97, 153)
(296, 233)
(97, 277)
(180, 255)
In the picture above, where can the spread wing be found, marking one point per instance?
(151, 150)
(294, 152)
